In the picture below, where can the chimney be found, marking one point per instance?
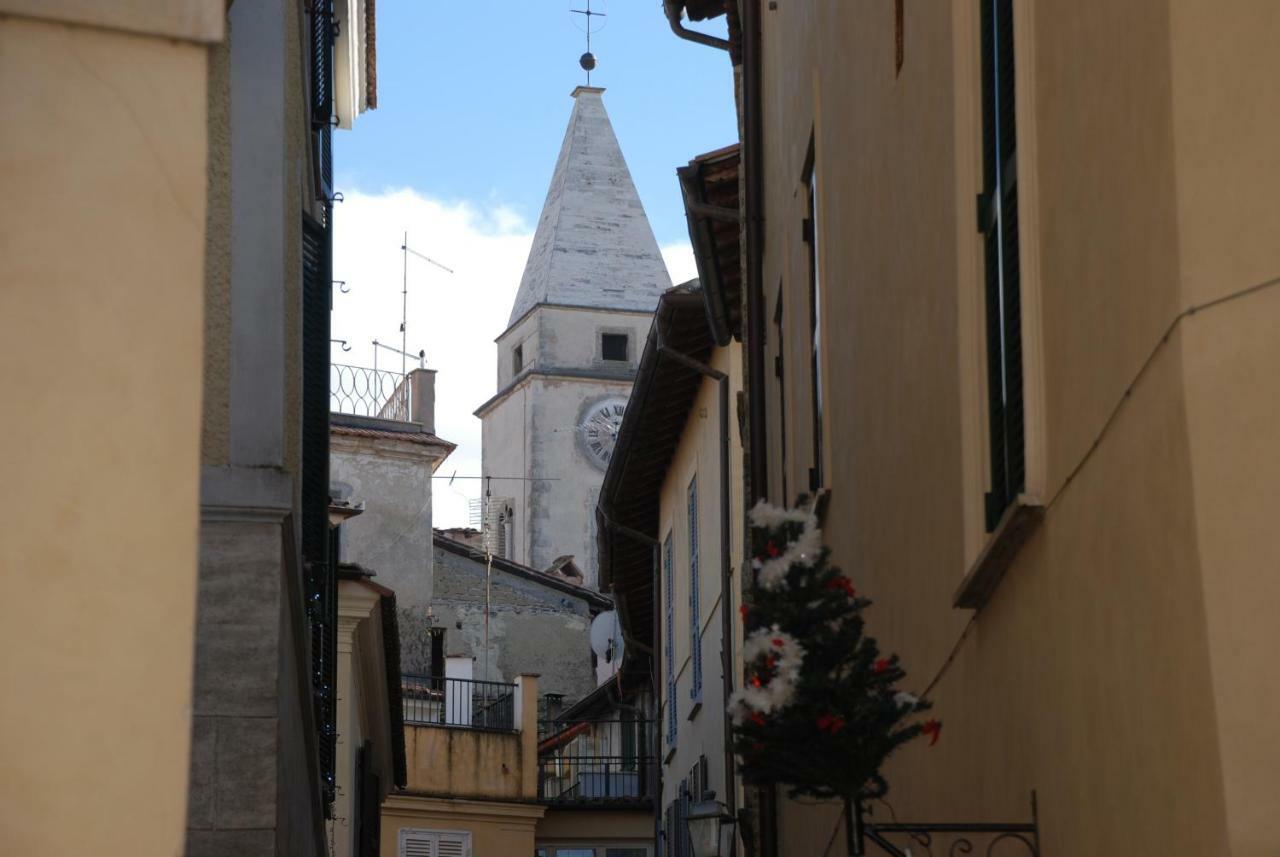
(422, 392)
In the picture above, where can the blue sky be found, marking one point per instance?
(473, 99)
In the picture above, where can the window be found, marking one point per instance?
(669, 642)
(613, 346)
(815, 323)
(517, 359)
(415, 842)
(437, 656)
(695, 623)
(998, 222)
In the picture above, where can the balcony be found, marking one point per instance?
(473, 740)
(596, 763)
(458, 703)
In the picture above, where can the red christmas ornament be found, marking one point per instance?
(933, 729)
(755, 681)
(757, 718)
(881, 665)
(832, 723)
(772, 549)
(778, 642)
(744, 610)
(843, 584)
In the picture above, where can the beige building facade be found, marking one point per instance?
(1043, 423)
(101, 252)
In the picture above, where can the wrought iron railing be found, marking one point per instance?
(458, 703)
(592, 761)
(365, 392)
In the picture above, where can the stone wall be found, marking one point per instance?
(533, 628)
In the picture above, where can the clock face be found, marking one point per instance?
(598, 430)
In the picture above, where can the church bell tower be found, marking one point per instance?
(568, 356)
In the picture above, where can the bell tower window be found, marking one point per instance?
(613, 346)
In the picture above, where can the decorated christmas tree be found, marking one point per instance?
(820, 709)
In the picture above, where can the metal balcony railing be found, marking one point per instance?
(366, 392)
(595, 761)
(458, 703)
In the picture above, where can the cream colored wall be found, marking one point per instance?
(496, 828)
(1228, 217)
(1123, 667)
(595, 826)
(101, 257)
(697, 453)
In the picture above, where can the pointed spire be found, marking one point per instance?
(594, 246)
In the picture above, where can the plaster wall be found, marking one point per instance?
(596, 827)
(700, 722)
(1130, 622)
(101, 259)
(392, 538)
(568, 338)
(532, 628)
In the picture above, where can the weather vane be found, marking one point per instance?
(588, 60)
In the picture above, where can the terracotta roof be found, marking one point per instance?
(419, 437)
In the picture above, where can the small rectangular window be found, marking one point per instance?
(613, 346)
(517, 359)
(695, 610)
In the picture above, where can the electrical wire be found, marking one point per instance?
(1169, 330)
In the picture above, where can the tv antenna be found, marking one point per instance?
(588, 60)
(404, 302)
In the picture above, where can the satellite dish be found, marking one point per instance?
(606, 637)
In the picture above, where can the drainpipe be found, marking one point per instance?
(726, 590)
(673, 9)
(765, 803)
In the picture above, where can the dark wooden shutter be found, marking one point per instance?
(321, 588)
(367, 803)
(998, 221)
(321, 62)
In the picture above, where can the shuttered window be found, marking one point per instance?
(321, 100)
(695, 610)
(317, 536)
(435, 843)
(668, 573)
(998, 222)
(815, 324)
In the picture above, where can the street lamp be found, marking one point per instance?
(711, 829)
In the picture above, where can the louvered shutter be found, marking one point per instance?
(998, 221)
(435, 843)
(695, 611)
(417, 845)
(453, 845)
(322, 606)
(321, 61)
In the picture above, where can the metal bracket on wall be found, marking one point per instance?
(959, 838)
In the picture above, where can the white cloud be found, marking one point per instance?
(453, 317)
(680, 264)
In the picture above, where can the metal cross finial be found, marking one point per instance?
(588, 60)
